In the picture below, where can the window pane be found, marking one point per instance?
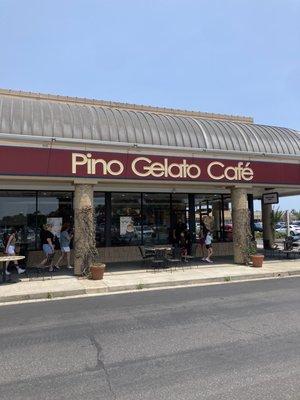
(126, 219)
(99, 204)
(209, 211)
(18, 210)
(180, 209)
(156, 218)
(56, 208)
(227, 219)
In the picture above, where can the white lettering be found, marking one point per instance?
(112, 167)
(216, 171)
(144, 167)
(78, 159)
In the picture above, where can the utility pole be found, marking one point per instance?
(287, 218)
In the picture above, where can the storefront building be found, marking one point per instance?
(139, 169)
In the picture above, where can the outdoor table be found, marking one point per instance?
(160, 254)
(162, 248)
(3, 259)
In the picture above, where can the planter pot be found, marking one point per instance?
(257, 260)
(97, 271)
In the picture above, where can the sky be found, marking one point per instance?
(238, 57)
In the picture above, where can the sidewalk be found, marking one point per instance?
(120, 281)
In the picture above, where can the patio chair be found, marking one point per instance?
(191, 257)
(160, 260)
(147, 256)
(175, 260)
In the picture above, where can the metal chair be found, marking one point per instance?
(147, 256)
(175, 260)
(160, 260)
(191, 257)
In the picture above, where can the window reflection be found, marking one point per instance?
(55, 208)
(126, 219)
(99, 205)
(208, 208)
(156, 218)
(180, 209)
(18, 210)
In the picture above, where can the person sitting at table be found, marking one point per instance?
(177, 231)
(183, 241)
(10, 250)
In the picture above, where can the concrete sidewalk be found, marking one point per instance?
(120, 281)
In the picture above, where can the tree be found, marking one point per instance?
(276, 216)
(296, 214)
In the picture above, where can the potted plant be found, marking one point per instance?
(97, 270)
(249, 249)
(251, 254)
(257, 260)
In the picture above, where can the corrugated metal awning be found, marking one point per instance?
(38, 116)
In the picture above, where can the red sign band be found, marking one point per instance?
(72, 163)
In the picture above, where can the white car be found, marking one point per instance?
(294, 229)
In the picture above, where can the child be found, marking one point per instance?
(208, 245)
(10, 250)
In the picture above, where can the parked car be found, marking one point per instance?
(258, 227)
(147, 232)
(294, 229)
(296, 240)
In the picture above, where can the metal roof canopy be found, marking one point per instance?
(37, 115)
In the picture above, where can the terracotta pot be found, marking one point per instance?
(257, 260)
(97, 271)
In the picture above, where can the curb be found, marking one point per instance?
(135, 287)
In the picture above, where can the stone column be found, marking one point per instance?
(84, 227)
(266, 214)
(241, 224)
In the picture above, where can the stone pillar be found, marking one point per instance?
(84, 227)
(241, 224)
(266, 214)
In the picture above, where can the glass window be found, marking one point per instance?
(99, 204)
(18, 211)
(180, 209)
(156, 218)
(55, 208)
(126, 219)
(209, 211)
(227, 219)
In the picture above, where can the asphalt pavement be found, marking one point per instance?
(224, 342)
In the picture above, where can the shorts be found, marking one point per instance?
(208, 246)
(47, 249)
(11, 250)
(65, 249)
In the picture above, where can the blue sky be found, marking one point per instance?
(224, 56)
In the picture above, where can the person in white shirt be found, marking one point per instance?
(208, 245)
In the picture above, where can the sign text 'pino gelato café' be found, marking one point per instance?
(24, 161)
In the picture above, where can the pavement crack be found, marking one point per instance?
(100, 363)
(232, 327)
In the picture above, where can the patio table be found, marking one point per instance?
(3, 259)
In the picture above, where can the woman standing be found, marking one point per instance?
(64, 240)
(10, 250)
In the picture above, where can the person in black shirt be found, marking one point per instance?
(47, 241)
